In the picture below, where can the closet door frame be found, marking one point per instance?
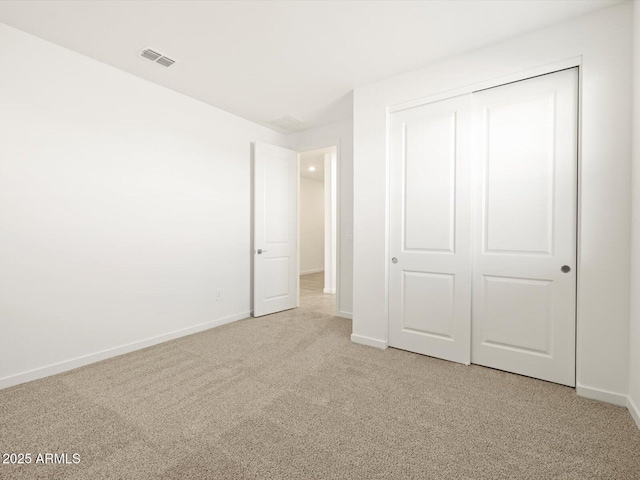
(497, 82)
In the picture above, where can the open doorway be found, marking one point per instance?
(318, 229)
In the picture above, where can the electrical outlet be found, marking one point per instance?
(219, 294)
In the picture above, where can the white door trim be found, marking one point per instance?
(330, 222)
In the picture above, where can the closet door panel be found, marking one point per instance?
(525, 211)
(430, 264)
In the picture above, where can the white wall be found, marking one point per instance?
(341, 135)
(124, 206)
(634, 331)
(311, 226)
(603, 42)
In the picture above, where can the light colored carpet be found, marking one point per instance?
(289, 396)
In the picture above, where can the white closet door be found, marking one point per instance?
(430, 274)
(524, 273)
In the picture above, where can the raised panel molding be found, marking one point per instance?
(520, 164)
(277, 271)
(276, 199)
(429, 184)
(428, 303)
(517, 314)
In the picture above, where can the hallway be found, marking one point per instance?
(312, 296)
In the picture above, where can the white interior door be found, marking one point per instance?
(275, 268)
(525, 208)
(430, 272)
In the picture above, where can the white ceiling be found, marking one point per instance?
(314, 158)
(266, 59)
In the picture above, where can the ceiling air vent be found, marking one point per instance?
(165, 61)
(288, 124)
(156, 57)
(150, 54)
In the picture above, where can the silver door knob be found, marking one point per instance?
(565, 269)
(261, 251)
(394, 260)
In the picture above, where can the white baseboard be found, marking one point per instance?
(309, 272)
(633, 410)
(329, 290)
(348, 315)
(77, 362)
(369, 342)
(602, 395)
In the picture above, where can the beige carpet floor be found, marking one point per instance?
(288, 396)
